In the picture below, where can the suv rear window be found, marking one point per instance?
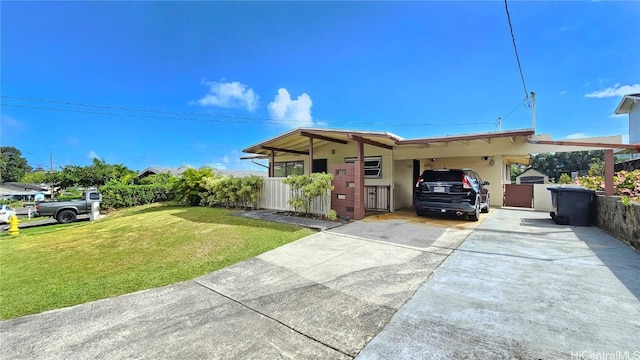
(447, 175)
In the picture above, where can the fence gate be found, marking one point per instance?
(377, 197)
(518, 195)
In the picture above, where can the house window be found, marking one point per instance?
(286, 168)
(372, 166)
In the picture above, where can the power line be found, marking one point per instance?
(515, 49)
(514, 109)
(192, 116)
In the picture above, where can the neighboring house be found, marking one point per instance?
(630, 104)
(178, 172)
(154, 170)
(384, 166)
(22, 191)
(532, 176)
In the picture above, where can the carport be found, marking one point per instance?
(378, 170)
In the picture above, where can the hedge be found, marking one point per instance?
(119, 196)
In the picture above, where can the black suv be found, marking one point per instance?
(457, 191)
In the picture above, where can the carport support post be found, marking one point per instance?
(310, 155)
(608, 172)
(358, 194)
(272, 159)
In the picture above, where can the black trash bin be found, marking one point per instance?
(572, 205)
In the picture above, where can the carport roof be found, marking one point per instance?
(480, 137)
(296, 141)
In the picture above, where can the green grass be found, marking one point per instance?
(51, 267)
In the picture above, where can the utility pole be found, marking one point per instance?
(533, 111)
(53, 196)
(499, 123)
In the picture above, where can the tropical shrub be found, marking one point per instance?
(231, 191)
(305, 188)
(564, 179)
(625, 183)
(189, 187)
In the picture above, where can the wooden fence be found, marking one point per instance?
(275, 195)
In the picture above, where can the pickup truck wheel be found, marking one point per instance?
(66, 216)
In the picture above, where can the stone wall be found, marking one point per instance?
(619, 220)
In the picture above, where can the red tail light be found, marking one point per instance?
(37, 207)
(465, 182)
(419, 181)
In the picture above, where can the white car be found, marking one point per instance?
(6, 212)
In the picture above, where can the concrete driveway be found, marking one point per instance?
(519, 286)
(324, 296)
(522, 287)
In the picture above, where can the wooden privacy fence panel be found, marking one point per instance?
(275, 195)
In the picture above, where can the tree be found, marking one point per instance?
(12, 165)
(555, 164)
(516, 170)
(35, 177)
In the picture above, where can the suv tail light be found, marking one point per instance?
(37, 207)
(465, 182)
(419, 181)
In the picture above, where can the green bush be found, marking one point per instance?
(230, 191)
(625, 183)
(119, 196)
(305, 188)
(564, 179)
(69, 194)
(189, 187)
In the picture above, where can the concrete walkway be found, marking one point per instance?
(522, 287)
(322, 297)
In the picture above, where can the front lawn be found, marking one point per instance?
(139, 248)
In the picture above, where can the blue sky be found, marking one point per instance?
(216, 77)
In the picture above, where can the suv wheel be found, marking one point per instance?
(486, 208)
(476, 214)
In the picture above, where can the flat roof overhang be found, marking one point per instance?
(297, 140)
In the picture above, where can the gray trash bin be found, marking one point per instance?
(572, 205)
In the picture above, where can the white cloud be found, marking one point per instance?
(92, 155)
(615, 116)
(615, 90)
(293, 113)
(563, 92)
(577, 136)
(225, 159)
(230, 95)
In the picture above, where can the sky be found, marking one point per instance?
(193, 83)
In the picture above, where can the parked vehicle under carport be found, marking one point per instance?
(455, 191)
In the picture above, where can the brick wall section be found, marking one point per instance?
(343, 174)
(619, 220)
